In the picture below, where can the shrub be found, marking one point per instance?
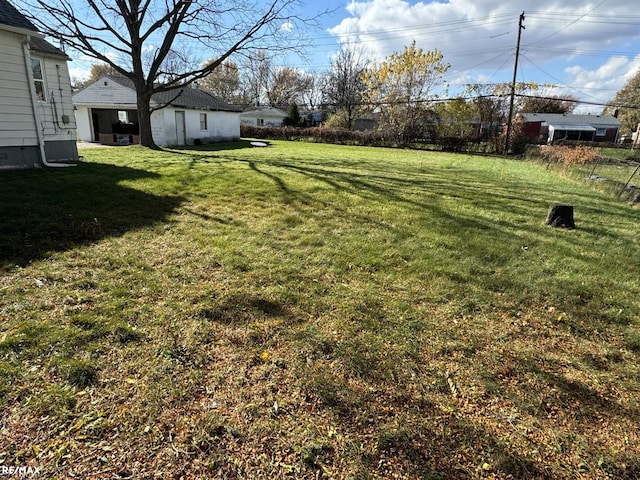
(452, 143)
(569, 155)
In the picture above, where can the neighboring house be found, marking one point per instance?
(551, 127)
(106, 112)
(37, 126)
(263, 117)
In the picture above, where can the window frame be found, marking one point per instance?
(203, 122)
(38, 64)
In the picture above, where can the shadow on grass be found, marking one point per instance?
(430, 448)
(46, 211)
(510, 216)
(212, 147)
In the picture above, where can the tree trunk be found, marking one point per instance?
(144, 122)
(560, 216)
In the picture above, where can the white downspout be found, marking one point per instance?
(34, 106)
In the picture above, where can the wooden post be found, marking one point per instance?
(560, 216)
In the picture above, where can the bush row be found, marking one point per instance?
(362, 138)
(316, 134)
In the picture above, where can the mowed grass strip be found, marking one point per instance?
(315, 311)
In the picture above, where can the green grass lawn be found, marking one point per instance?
(315, 311)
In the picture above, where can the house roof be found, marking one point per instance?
(571, 119)
(181, 97)
(265, 112)
(9, 15)
(40, 45)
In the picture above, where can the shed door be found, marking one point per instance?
(181, 135)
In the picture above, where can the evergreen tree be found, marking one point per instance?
(293, 118)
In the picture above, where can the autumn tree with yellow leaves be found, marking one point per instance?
(401, 90)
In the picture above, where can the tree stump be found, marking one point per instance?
(560, 216)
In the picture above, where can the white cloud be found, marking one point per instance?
(79, 73)
(286, 27)
(599, 85)
(612, 74)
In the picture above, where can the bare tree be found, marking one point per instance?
(287, 86)
(344, 86)
(152, 42)
(312, 97)
(223, 82)
(255, 79)
(548, 104)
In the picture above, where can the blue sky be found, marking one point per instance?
(587, 49)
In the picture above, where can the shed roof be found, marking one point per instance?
(180, 96)
(193, 98)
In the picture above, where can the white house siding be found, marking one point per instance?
(54, 117)
(262, 121)
(17, 125)
(57, 111)
(223, 125)
(267, 117)
(220, 126)
(83, 122)
(159, 129)
(106, 93)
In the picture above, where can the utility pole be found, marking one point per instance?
(507, 138)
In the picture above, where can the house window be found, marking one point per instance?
(601, 132)
(123, 116)
(203, 121)
(38, 78)
(260, 122)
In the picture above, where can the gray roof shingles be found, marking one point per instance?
(183, 97)
(552, 118)
(40, 45)
(9, 15)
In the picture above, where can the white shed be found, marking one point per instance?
(106, 112)
(37, 126)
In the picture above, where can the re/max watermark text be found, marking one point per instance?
(21, 472)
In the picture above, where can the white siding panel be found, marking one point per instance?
(158, 126)
(224, 125)
(220, 126)
(105, 92)
(58, 105)
(83, 120)
(18, 138)
(15, 77)
(17, 126)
